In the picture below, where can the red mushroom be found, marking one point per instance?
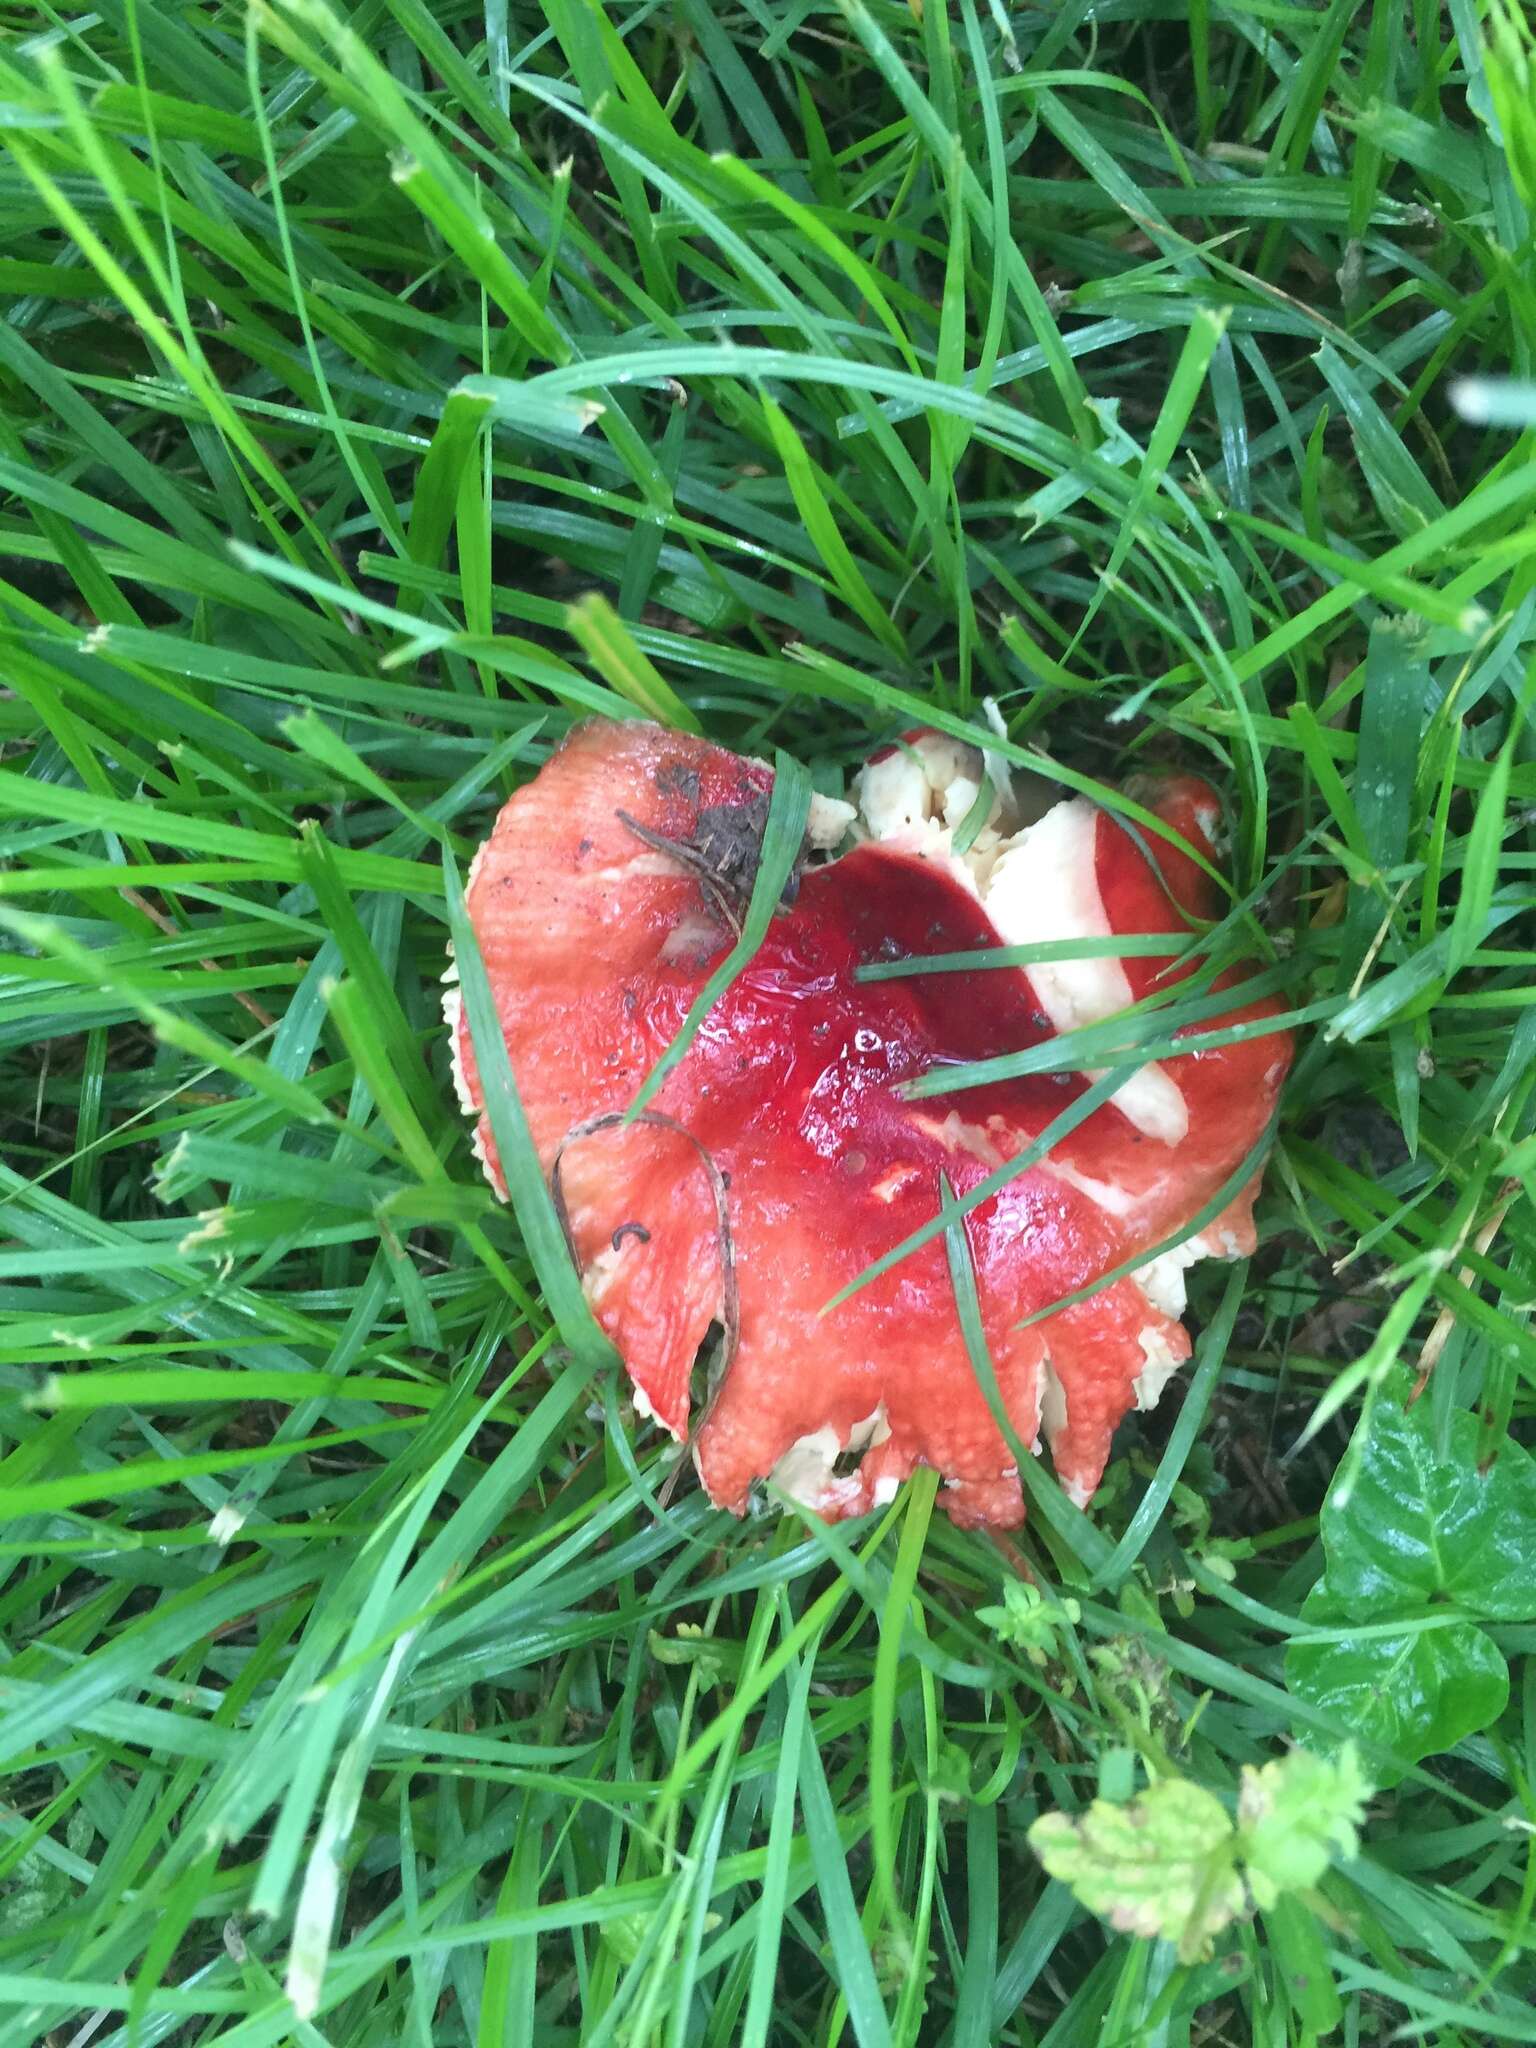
(783, 1156)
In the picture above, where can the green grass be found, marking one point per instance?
(380, 392)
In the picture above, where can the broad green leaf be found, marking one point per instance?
(1411, 1695)
(1421, 1522)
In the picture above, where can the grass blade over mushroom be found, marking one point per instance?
(1075, 1113)
(1119, 1038)
(783, 836)
(1122, 946)
(1085, 1543)
(526, 1186)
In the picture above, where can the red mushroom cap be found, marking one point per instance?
(786, 1108)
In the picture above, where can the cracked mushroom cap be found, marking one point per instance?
(783, 1159)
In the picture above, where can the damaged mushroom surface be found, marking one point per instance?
(782, 1156)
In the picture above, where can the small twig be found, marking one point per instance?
(1382, 934)
(1445, 1322)
(92, 2026)
(690, 858)
(173, 930)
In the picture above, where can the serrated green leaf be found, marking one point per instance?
(1171, 1864)
(1028, 1621)
(1161, 1865)
(1295, 1815)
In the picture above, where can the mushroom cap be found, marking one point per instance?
(596, 941)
